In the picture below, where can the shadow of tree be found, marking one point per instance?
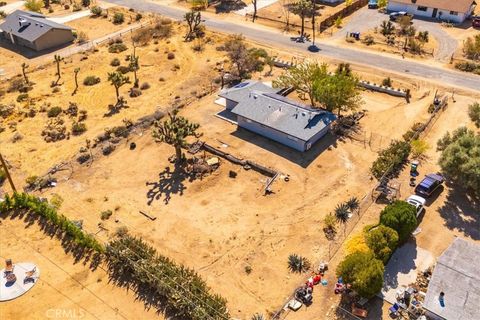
(228, 6)
(461, 211)
(87, 257)
(169, 183)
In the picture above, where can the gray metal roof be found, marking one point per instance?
(282, 114)
(29, 25)
(241, 90)
(457, 274)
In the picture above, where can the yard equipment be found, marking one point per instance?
(304, 295)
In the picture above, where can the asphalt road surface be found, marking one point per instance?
(441, 75)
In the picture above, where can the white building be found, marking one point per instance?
(455, 11)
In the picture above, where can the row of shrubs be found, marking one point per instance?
(364, 268)
(468, 67)
(33, 205)
(181, 289)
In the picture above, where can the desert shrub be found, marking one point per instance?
(3, 15)
(401, 217)
(145, 86)
(387, 82)
(76, 7)
(18, 84)
(171, 56)
(460, 158)
(471, 48)
(248, 269)
(413, 133)
(86, 3)
(135, 92)
(22, 97)
(3, 176)
(121, 231)
(96, 11)
(298, 263)
(54, 112)
(117, 48)
(83, 157)
(356, 243)
(363, 272)
(56, 201)
(33, 5)
(474, 113)
(118, 18)
(2, 3)
(6, 110)
(23, 201)
(78, 128)
(91, 81)
(369, 40)
(31, 180)
(105, 215)
(115, 62)
(138, 17)
(82, 37)
(109, 148)
(123, 69)
(419, 147)
(82, 115)
(66, 7)
(468, 67)
(390, 160)
(415, 46)
(382, 241)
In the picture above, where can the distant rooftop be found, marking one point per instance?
(457, 274)
(29, 25)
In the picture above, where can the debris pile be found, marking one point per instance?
(55, 130)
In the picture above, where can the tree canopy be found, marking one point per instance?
(474, 113)
(382, 241)
(401, 217)
(460, 158)
(363, 272)
(245, 60)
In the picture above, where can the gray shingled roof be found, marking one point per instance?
(457, 274)
(241, 90)
(282, 114)
(29, 25)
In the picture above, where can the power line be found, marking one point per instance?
(63, 294)
(83, 286)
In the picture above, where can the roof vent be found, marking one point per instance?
(255, 96)
(23, 22)
(304, 114)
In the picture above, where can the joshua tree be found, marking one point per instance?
(58, 59)
(134, 66)
(174, 131)
(24, 72)
(258, 316)
(342, 212)
(298, 263)
(117, 80)
(304, 9)
(76, 71)
(193, 19)
(254, 16)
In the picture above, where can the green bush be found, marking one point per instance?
(118, 18)
(474, 113)
(115, 62)
(35, 206)
(96, 11)
(468, 67)
(363, 272)
(382, 241)
(86, 3)
(105, 215)
(401, 217)
(22, 97)
(78, 128)
(117, 48)
(123, 69)
(33, 5)
(390, 159)
(54, 112)
(91, 81)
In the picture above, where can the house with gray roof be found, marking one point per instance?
(457, 275)
(34, 30)
(260, 109)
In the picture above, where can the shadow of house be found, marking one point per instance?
(460, 211)
(34, 31)
(228, 6)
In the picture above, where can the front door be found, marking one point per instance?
(434, 14)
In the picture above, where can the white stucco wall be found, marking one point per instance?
(413, 9)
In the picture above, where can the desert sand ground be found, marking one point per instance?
(217, 225)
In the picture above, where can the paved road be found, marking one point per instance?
(272, 38)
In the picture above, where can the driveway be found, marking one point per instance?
(260, 4)
(71, 17)
(366, 19)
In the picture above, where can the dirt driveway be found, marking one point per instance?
(367, 19)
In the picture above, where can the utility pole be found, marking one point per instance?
(7, 173)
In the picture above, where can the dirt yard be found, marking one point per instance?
(217, 225)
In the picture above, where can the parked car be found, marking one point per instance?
(476, 21)
(429, 184)
(373, 4)
(395, 15)
(418, 202)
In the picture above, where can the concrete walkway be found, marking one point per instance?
(71, 17)
(260, 4)
(9, 8)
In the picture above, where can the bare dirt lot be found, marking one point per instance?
(217, 225)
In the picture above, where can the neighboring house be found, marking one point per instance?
(35, 31)
(457, 275)
(455, 11)
(260, 109)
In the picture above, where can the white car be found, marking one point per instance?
(417, 202)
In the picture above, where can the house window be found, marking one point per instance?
(454, 13)
(420, 8)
